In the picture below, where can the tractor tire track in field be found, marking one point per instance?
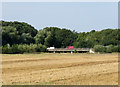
(29, 60)
(60, 69)
(83, 78)
(44, 67)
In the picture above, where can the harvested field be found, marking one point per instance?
(60, 69)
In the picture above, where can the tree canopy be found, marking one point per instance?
(17, 33)
(23, 33)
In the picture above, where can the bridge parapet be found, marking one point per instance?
(64, 49)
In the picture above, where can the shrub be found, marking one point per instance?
(7, 49)
(14, 49)
(22, 48)
(99, 48)
(75, 51)
(107, 49)
(41, 48)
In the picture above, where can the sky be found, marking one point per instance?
(78, 16)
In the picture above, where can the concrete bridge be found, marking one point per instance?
(69, 50)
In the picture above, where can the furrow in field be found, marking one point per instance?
(54, 66)
(28, 60)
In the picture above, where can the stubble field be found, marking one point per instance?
(60, 69)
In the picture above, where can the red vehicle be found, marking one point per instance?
(70, 47)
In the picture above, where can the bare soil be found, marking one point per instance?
(60, 69)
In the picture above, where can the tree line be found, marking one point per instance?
(20, 37)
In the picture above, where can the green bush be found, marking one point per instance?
(15, 49)
(23, 48)
(75, 51)
(7, 49)
(99, 48)
(106, 49)
(41, 48)
(115, 49)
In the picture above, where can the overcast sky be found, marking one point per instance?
(79, 16)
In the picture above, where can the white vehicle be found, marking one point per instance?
(50, 48)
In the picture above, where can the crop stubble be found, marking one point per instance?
(60, 69)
